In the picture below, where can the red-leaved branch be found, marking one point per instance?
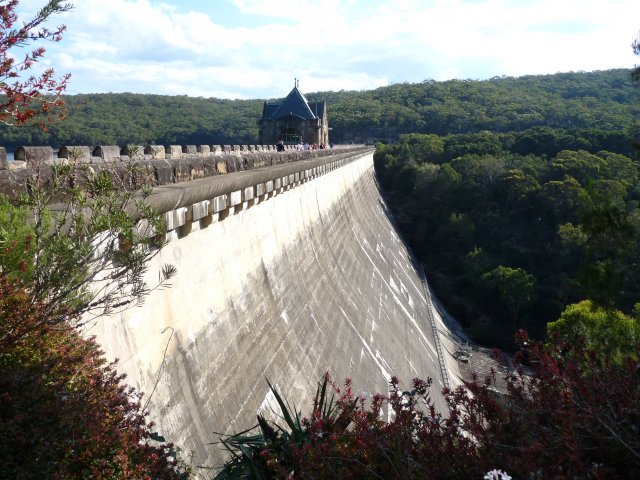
(25, 97)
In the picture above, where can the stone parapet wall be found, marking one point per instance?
(161, 165)
(195, 204)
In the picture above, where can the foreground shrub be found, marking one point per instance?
(64, 412)
(554, 419)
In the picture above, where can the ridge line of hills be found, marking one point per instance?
(605, 101)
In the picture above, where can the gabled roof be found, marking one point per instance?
(293, 104)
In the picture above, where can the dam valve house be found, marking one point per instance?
(293, 120)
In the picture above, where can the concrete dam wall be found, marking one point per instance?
(281, 284)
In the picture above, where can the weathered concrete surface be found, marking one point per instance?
(313, 279)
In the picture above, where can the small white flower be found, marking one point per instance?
(496, 475)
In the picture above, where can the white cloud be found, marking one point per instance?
(304, 12)
(173, 47)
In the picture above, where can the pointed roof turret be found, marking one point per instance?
(293, 104)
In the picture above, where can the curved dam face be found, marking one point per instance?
(312, 279)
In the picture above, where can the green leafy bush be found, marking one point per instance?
(17, 250)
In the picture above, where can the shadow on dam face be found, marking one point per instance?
(314, 279)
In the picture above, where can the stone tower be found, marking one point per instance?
(293, 120)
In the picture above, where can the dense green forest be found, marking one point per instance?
(525, 200)
(512, 235)
(604, 100)
(595, 106)
(127, 118)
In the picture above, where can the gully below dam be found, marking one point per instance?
(282, 285)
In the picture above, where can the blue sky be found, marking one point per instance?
(255, 48)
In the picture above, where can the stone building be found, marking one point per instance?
(293, 120)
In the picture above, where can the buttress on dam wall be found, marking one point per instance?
(286, 287)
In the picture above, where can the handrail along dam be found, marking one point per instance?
(284, 272)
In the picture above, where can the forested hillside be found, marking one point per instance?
(533, 210)
(512, 236)
(604, 103)
(598, 100)
(126, 118)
